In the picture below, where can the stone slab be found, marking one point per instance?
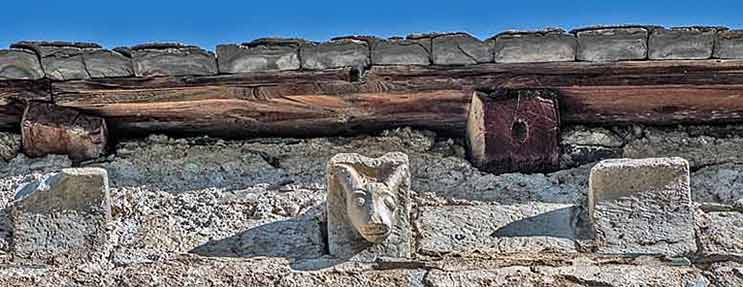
(168, 59)
(729, 45)
(397, 51)
(726, 274)
(335, 54)
(460, 49)
(101, 63)
(681, 43)
(607, 44)
(19, 64)
(720, 235)
(74, 61)
(642, 206)
(63, 217)
(262, 55)
(529, 47)
(491, 229)
(356, 179)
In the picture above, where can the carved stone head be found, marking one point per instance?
(367, 194)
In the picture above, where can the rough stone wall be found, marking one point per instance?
(212, 212)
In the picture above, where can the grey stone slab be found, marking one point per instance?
(172, 60)
(607, 44)
(720, 235)
(533, 227)
(726, 274)
(397, 51)
(335, 54)
(63, 217)
(459, 49)
(107, 64)
(262, 55)
(553, 45)
(20, 64)
(681, 43)
(642, 206)
(718, 184)
(368, 206)
(729, 45)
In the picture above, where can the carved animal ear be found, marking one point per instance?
(348, 177)
(397, 177)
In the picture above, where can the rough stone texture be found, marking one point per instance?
(642, 206)
(718, 184)
(720, 235)
(606, 44)
(681, 43)
(10, 145)
(387, 206)
(729, 45)
(550, 45)
(63, 218)
(335, 54)
(398, 51)
(489, 229)
(50, 129)
(19, 64)
(101, 63)
(151, 60)
(262, 55)
(726, 274)
(580, 145)
(459, 49)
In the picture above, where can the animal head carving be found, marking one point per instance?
(370, 202)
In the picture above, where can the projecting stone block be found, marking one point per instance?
(681, 43)
(49, 129)
(527, 228)
(551, 45)
(398, 51)
(642, 206)
(729, 45)
(512, 130)
(74, 61)
(62, 218)
(458, 49)
(368, 206)
(170, 59)
(338, 53)
(262, 55)
(606, 44)
(19, 64)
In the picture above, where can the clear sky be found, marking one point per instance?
(208, 23)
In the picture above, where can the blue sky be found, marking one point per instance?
(208, 23)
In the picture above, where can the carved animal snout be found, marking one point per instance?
(375, 232)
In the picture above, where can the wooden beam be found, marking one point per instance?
(14, 94)
(304, 103)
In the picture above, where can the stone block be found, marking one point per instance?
(74, 61)
(491, 229)
(720, 235)
(551, 45)
(459, 49)
(607, 44)
(398, 51)
(368, 206)
(729, 45)
(338, 53)
(62, 218)
(642, 206)
(511, 130)
(19, 64)
(262, 55)
(170, 59)
(681, 43)
(50, 129)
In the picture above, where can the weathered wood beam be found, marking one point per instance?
(329, 102)
(14, 94)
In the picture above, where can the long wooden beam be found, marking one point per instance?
(305, 103)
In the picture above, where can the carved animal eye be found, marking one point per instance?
(360, 201)
(390, 202)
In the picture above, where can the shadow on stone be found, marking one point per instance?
(552, 224)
